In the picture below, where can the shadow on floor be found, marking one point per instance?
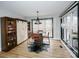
(38, 48)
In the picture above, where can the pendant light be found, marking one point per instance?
(37, 20)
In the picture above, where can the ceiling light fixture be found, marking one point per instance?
(37, 20)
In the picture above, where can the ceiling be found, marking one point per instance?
(29, 8)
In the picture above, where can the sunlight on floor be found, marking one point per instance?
(54, 50)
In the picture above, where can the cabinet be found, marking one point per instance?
(8, 33)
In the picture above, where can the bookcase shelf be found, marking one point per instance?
(8, 33)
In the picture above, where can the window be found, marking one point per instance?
(70, 22)
(45, 27)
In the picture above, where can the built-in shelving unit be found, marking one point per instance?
(9, 37)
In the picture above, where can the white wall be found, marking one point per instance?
(56, 28)
(21, 31)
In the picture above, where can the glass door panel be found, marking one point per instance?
(75, 32)
(49, 27)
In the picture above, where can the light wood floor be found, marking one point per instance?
(53, 51)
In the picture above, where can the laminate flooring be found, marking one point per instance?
(55, 50)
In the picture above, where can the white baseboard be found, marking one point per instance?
(73, 55)
(56, 38)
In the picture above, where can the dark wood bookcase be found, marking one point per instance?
(8, 33)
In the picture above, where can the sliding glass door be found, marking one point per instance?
(75, 31)
(70, 21)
